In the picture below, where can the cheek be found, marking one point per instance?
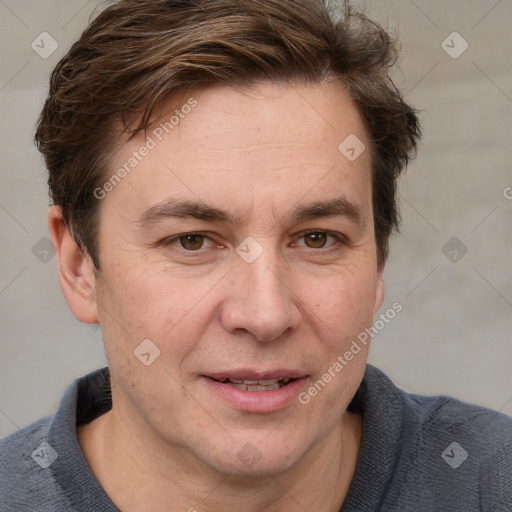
(140, 302)
(130, 304)
(344, 303)
(134, 297)
(340, 313)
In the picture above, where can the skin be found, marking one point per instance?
(169, 442)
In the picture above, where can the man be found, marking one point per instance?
(223, 178)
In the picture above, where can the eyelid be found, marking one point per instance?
(175, 238)
(341, 238)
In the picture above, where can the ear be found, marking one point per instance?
(379, 293)
(76, 270)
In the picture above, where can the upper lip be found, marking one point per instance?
(251, 374)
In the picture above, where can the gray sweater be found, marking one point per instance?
(419, 454)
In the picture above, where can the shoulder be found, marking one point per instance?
(447, 454)
(42, 466)
(15, 446)
(474, 444)
(485, 430)
(486, 427)
(25, 457)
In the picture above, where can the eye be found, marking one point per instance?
(190, 242)
(320, 239)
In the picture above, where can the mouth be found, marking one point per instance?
(257, 391)
(256, 385)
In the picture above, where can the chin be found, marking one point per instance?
(266, 467)
(246, 458)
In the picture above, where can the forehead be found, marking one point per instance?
(233, 146)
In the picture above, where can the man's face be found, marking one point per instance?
(277, 280)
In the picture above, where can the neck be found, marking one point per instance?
(140, 474)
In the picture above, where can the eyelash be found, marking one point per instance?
(339, 239)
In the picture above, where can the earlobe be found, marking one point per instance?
(76, 270)
(379, 295)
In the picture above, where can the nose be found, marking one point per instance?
(260, 300)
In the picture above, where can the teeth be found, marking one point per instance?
(257, 385)
(253, 387)
(268, 382)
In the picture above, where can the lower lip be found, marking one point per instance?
(258, 401)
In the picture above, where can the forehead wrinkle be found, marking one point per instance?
(269, 145)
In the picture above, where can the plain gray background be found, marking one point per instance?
(454, 333)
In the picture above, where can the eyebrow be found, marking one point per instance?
(185, 208)
(338, 207)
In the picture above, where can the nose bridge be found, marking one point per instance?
(266, 283)
(261, 302)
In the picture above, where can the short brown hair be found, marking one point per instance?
(137, 52)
